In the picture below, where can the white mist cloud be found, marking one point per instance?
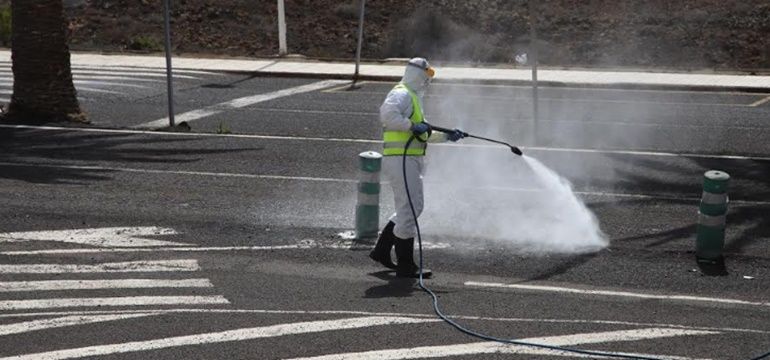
(480, 196)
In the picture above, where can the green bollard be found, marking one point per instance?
(368, 205)
(712, 217)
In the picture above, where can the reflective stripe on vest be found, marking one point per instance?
(395, 141)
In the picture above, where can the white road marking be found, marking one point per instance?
(240, 103)
(305, 244)
(370, 313)
(73, 320)
(129, 266)
(527, 121)
(131, 69)
(55, 285)
(124, 75)
(511, 99)
(198, 173)
(101, 91)
(350, 181)
(9, 305)
(125, 69)
(500, 348)
(107, 84)
(98, 77)
(174, 249)
(351, 113)
(760, 102)
(369, 141)
(103, 237)
(221, 337)
(581, 89)
(617, 293)
(78, 83)
(79, 89)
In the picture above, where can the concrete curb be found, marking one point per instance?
(391, 71)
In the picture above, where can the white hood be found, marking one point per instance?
(416, 76)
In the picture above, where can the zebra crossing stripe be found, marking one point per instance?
(442, 351)
(129, 266)
(223, 336)
(59, 322)
(55, 285)
(9, 305)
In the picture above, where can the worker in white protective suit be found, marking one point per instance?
(402, 118)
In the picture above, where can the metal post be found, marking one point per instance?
(712, 217)
(281, 29)
(360, 40)
(533, 58)
(368, 205)
(169, 74)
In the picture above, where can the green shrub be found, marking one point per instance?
(5, 25)
(145, 43)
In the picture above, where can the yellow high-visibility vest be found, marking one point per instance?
(395, 141)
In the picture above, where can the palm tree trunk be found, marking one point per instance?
(42, 89)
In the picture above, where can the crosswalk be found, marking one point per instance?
(78, 292)
(64, 279)
(91, 80)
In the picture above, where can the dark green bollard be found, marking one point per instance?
(368, 206)
(712, 217)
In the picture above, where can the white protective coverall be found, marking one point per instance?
(394, 115)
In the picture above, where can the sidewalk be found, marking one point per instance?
(390, 72)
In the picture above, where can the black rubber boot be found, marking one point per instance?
(381, 252)
(406, 267)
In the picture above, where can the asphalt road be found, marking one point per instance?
(225, 242)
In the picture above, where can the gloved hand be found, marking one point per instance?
(420, 128)
(455, 135)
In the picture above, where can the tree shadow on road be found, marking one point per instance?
(75, 157)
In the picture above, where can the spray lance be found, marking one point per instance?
(514, 149)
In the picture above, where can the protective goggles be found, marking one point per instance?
(428, 69)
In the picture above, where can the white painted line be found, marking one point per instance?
(500, 348)
(351, 113)
(760, 102)
(198, 173)
(617, 293)
(174, 249)
(98, 77)
(371, 313)
(368, 141)
(512, 99)
(240, 103)
(123, 75)
(101, 91)
(74, 320)
(582, 89)
(305, 244)
(129, 266)
(527, 121)
(127, 69)
(337, 180)
(8, 305)
(103, 237)
(107, 84)
(56, 285)
(221, 337)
